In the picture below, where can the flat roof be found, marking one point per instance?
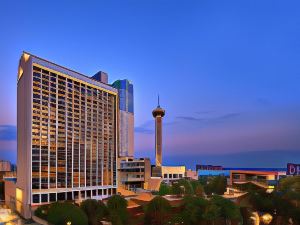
(70, 72)
(255, 172)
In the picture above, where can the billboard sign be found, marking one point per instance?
(293, 169)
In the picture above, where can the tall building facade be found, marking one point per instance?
(125, 90)
(67, 135)
(158, 114)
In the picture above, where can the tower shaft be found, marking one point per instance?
(158, 140)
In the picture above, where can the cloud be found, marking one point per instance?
(8, 133)
(143, 130)
(209, 119)
(263, 101)
(188, 118)
(206, 112)
(228, 116)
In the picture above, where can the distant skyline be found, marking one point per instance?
(227, 73)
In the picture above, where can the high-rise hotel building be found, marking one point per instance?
(67, 135)
(126, 117)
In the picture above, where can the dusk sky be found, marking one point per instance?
(227, 72)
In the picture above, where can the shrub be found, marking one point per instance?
(42, 212)
(61, 213)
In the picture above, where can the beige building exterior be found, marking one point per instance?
(67, 135)
(172, 173)
(134, 173)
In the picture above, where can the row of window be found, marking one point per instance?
(173, 176)
(72, 195)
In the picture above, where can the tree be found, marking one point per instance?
(164, 189)
(117, 208)
(156, 211)
(290, 188)
(277, 204)
(261, 201)
(193, 209)
(187, 187)
(94, 210)
(212, 213)
(229, 210)
(61, 213)
(216, 185)
(176, 189)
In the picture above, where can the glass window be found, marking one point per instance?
(44, 198)
(36, 198)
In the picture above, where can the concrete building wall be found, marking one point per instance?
(126, 148)
(10, 193)
(24, 119)
(172, 173)
(158, 141)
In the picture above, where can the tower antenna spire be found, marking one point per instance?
(158, 101)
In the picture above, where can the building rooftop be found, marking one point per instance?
(67, 71)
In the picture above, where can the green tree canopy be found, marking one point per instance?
(61, 213)
(156, 211)
(290, 187)
(164, 189)
(193, 209)
(186, 186)
(197, 188)
(216, 185)
(117, 208)
(176, 189)
(95, 210)
(228, 209)
(212, 213)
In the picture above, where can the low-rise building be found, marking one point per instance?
(5, 166)
(208, 167)
(265, 179)
(191, 174)
(172, 173)
(134, 173)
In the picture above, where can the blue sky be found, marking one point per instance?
(227, 72)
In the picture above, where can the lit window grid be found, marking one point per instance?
(56, 102)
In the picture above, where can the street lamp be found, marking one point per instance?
(69, 223)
